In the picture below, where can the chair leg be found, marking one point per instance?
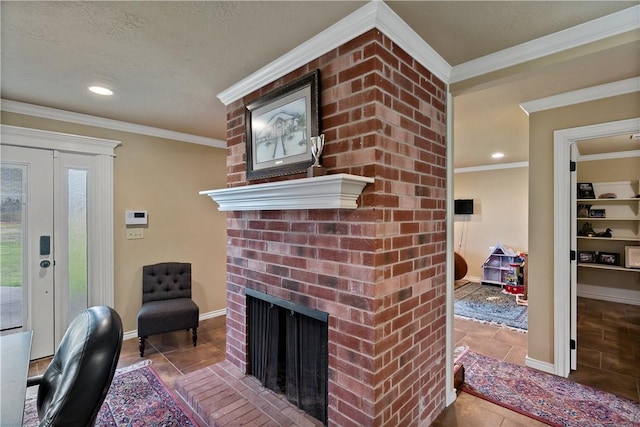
(141, 345)
(194, 334)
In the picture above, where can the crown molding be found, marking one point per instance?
(44, 139)
(406, 38)
(375, 14)
(579, 96)
(101, 122)
(609, 156)
(486, 168)
(588, 32)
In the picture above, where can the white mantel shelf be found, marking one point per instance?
(339, 191)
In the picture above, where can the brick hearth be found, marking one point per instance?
(379, 270)
(221, 395)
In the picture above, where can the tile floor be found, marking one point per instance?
(499, 343)
(608, 355)
(609, 347)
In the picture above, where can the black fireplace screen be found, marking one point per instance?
(288, 351)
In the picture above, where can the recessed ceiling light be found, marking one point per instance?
(497, 155)
(100, 90)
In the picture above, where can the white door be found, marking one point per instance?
(69, 198)
(45, 280)
(573, 272)
(27, 258)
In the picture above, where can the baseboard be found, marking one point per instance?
(622, 296)
(451, 397)
(473, 279)
(210, 315)
(540, 365)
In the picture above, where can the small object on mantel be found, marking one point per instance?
(316, 171)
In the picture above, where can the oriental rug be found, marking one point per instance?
(137, 397)
(489, 304)
(548, 398)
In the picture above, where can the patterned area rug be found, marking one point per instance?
(489, 304)
(137, 397)
(547, 398)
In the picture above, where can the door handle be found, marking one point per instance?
(45, 263)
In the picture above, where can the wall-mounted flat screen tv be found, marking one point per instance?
(463, 206)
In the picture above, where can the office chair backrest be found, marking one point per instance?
(77, 380)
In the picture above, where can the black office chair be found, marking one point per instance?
(78, 378)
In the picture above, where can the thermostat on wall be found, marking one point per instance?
(135, 217)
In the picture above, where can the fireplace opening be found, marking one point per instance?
(288, 350)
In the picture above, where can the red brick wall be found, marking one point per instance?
(379, 270)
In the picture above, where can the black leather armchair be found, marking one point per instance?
(78, 378)
(166, 301)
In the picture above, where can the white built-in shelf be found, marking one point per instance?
(616, 239)
(608, 267)
(624, 199)
(338, 191)
(633, 218)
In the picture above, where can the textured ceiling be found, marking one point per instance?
(167, 61)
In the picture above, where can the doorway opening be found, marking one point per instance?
(607, 285)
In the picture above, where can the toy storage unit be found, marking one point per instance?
(504, 267)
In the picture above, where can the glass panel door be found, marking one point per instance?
(27, 248)
(12, 245)
(77, 228)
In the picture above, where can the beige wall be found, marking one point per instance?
(541, 232)
(163, 177)
(500, 199)
(609, 170)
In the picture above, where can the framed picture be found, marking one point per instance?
(586, 256)
(597, 213)
(583, 210)
(585, 190)
(279, 126)
(609, 258)
(632, 256)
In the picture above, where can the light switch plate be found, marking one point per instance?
(135, 233)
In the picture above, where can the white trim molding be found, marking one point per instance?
(339, 191)
(593, 93)
(609, 156)
(450, 273)
(539, 365)
(606, 293)
(562, 142)
(485, 168)
(100, 122)
(579, 35)
(101, 257)
(375, 14)
(36, 138)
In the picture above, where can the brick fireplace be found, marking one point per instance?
(378, 271)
